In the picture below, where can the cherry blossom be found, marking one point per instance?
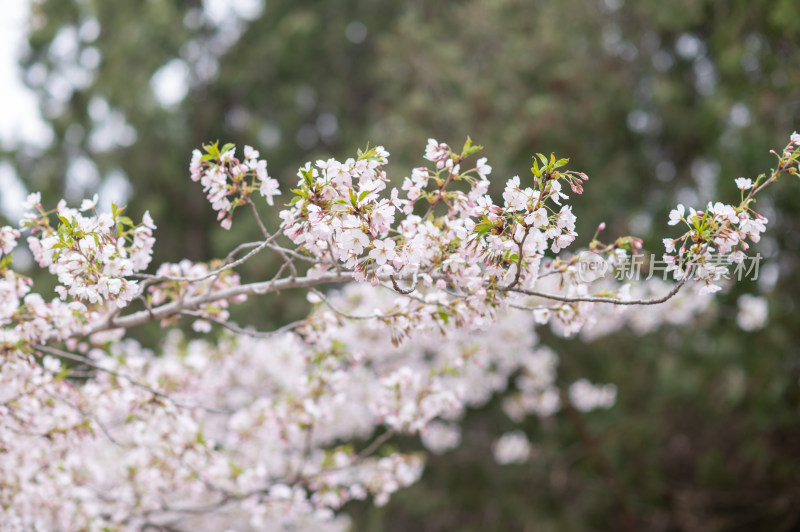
(426, 299)
(8, 239)
(585, 396)
(676, 214)
(383, 251)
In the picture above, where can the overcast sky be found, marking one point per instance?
(19, 115)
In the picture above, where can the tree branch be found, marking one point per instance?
(598, 299)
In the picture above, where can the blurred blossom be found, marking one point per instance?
(439, 437)
(753, 312)
(586, 396)
(739, 115)
(170, 83)
(512, 448)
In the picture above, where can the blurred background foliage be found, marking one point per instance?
(658, 102)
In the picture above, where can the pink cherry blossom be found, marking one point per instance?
(433, 293)
(383, 251)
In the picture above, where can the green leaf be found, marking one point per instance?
(484, 227)
(63, 374)
(236, 471)
(535, 168)
(307, 177)
(368, 153)
(469, 148)
(212, 151)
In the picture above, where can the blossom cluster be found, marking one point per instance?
(722, 227)
(150, 438)
(449, 242)
(263, 443)
(228, 182)
(93, 256)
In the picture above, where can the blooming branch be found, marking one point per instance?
(106, 434)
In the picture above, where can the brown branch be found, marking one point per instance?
(376, 443)
(599, 299)
(520, 245)
(240, 330)
(174, 308)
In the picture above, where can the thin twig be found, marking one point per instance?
(401, 290)
(352, 316)
(111, 438)
(376, 443)
(212, 273)
(599, 299)
(269, 238)
(239, 330)
(520, 246)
